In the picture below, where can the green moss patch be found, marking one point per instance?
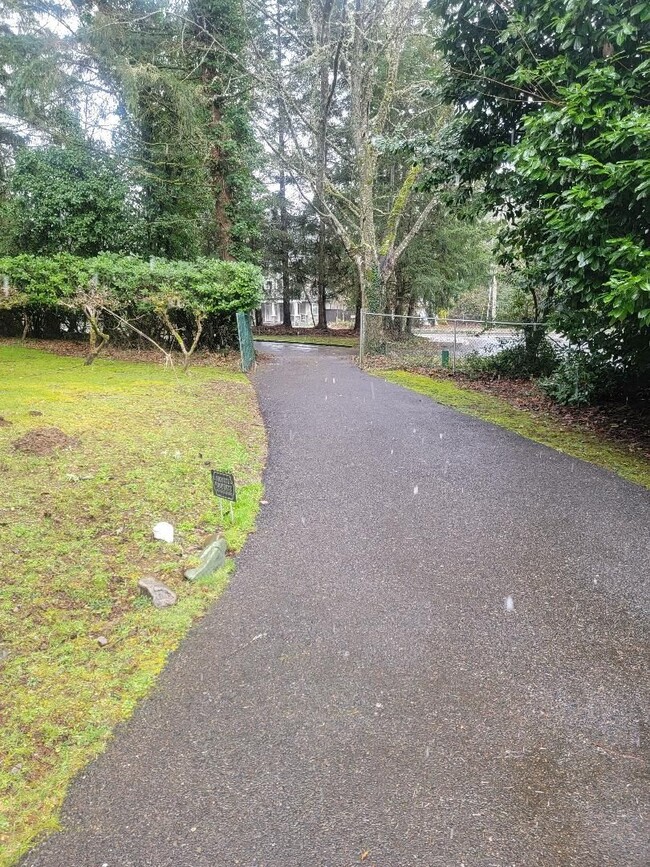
(137, 447)
(579, 444)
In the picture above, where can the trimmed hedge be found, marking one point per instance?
(55, 296)
(209, 285)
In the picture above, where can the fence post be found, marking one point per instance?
(453, 362)
(246, 348)
(362, 337)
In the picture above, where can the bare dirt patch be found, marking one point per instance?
(4, 422)
(44, 441)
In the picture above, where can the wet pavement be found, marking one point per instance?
(433, 652)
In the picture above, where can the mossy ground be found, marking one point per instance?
(76, 537)
(316, 339)
(534, 426)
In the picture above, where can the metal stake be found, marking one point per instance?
(453, 362)
(362, 337)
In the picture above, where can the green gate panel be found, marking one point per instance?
(246, 348)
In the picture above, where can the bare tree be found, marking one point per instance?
(327, 38)
(281, 124)
(353, 102)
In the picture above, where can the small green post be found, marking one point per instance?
(445, 358)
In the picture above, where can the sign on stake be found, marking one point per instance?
(223, 485)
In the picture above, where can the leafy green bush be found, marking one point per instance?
(174, 303)
(530, 356)
(583, 377)
(211, 285)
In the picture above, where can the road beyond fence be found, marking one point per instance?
(436, 342)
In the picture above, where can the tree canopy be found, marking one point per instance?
(553, 124)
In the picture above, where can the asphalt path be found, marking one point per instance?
(433, 652)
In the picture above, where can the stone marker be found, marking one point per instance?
(161, 596)
(212, 558)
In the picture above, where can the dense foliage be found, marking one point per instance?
(553, 121)
(147, 92)
(127, 281)
(70, 199)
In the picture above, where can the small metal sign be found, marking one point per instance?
(223, 485)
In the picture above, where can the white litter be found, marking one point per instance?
(509, 603)
(164, 532)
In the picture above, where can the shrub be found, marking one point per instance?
(530, 356)
(583, 377)
(174, 302)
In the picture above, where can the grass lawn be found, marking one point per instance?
(578, 444)
(76, 537)
(317, 339)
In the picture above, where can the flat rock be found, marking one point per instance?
(212, 558)
(161, 596)
(164, 532)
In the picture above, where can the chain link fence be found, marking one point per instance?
(419, 342)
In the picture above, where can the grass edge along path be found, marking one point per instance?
(76, 537)
(315, 340)
(578, 444)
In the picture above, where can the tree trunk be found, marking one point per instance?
(321, 152)
(357, 312)
(321, 281)
(97, 338)
(222, 238)
(282, 191)
(410, 313)
(284, 247)
(401, 293)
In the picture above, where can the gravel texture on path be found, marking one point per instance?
(432, 653)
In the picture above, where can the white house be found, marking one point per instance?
(304, 311)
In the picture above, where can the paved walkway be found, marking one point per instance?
(363, 688)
